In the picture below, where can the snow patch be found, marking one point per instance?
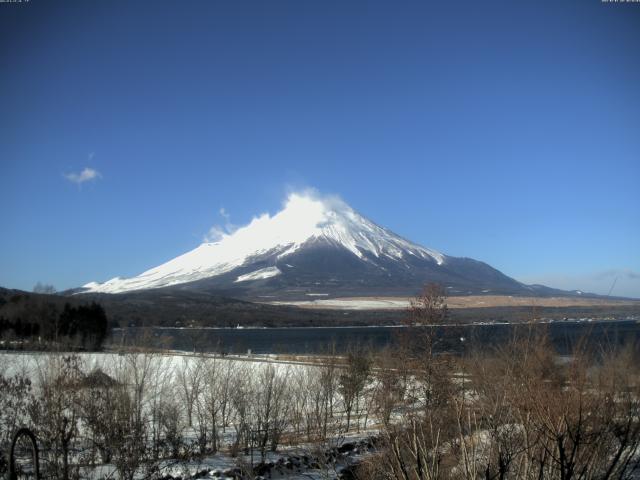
(259, 274)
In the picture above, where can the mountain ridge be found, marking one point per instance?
(317, 245)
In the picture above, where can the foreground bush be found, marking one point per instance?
(520, 413)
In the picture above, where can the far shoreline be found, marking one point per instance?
(544, 321)
(453, 302)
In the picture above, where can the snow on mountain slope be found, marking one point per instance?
(259, 274)
(305, 218)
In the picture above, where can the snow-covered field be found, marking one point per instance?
(239, 396)
(32, 364)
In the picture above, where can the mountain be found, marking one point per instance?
(317, 246)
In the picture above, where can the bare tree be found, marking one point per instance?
(241, 395)
(302, 385)
(190, 381)
(271, 407)
(54, 413)
(429, 307)
(44, 288)
(320, 392)
(389, 387)
(212, 400)
(161, 401)
(353, 381)
(227, 371)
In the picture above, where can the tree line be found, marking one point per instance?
(39, 322)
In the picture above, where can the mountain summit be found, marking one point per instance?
(315, 246)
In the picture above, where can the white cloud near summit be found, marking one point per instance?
(218, 232)
(86, 175)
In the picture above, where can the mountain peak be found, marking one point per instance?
(306, 219)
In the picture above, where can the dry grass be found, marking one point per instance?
(471, 301)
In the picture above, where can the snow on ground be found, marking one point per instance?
(290, 462)
(32, 363)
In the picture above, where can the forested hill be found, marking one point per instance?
(34, 320)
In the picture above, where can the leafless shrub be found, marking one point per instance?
(352, 381)
(519, 413)
(54, 413)
(429, 307)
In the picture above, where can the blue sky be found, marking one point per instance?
(505, 131)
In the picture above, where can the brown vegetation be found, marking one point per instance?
(518, 413)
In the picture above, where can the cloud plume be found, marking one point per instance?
(218, 232)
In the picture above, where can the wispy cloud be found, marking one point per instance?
(218, 231)
(617, 282)
(620, 273)
(86, 175)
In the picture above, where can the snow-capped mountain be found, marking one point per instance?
(314, 246)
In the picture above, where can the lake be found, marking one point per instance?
(563, 334)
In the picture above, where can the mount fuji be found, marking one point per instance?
(316, 246)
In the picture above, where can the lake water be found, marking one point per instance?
(564, 335)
